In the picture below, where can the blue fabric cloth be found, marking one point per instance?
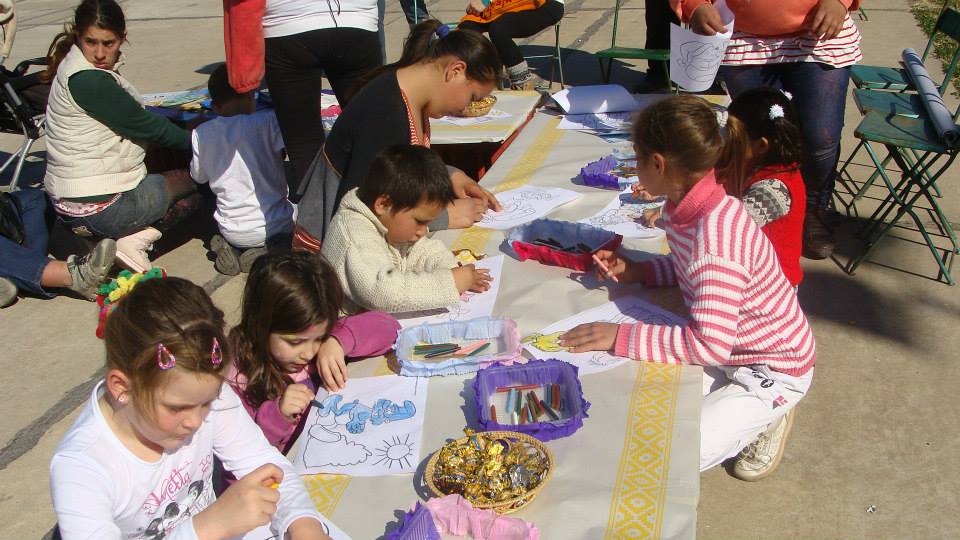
(24, 264)
(820, 96)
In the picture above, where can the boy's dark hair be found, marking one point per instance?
(407, 175)
(219, 86)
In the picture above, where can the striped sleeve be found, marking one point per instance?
(659, 272)
(708, 337)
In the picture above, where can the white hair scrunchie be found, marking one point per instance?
(776, 111)
(788, 94)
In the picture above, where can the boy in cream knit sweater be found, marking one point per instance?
(377, 241)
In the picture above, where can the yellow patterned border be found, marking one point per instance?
(326, 490)
(476, 238)
(636, 510)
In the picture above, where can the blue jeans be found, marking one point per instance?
(820, 97)
(419, 14)
(24, 264)
(134, 210)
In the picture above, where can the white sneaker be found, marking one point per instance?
(8, 292)
(132, 249)
(758, 460)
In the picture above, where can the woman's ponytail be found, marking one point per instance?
(431, 40)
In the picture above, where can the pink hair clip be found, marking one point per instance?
(216, 354)
(165, 359)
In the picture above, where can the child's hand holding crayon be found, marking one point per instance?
(616, 268)
(247, 504)
(637, 192)
(295, 399)
(469, 278)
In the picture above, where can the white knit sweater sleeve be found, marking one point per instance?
(375, 282)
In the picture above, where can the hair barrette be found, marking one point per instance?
(722, 116)
(442, 31)
(216, 353)
(165, 359)
(776, 111)
(788, 94)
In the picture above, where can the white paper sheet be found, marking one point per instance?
(544, 344)
(264, 533)
(617, 122)
(525, 204)
(624, 216)
(471, 305)
(595, 99)
(493, 114)
(371, 428)
(695, 59)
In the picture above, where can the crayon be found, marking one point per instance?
(523, 416)
(532, 413)
(517, 387)
(430, 346)
(534, 403)
(465, 351)
(605, 268)
(493, 412)
(510, 399)
(555, 396)
(479, 349)
(553, 415)
(441, 352)
(275, 485)
(518, 404)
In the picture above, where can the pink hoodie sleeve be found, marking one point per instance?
(368, 334)
(274, 425)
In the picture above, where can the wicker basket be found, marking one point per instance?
(506, 506)
(478, 108)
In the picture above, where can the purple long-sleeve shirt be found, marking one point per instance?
(368, 334)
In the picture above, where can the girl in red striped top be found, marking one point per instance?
(745, 327)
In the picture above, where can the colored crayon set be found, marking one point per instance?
(530, 403)
(435, 351)
(553, 244)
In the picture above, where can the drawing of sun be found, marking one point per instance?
(395, 452)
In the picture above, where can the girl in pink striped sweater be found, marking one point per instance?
(745, 327)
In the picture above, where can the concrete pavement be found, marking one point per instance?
(876, 430)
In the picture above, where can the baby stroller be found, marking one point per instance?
(23, 97)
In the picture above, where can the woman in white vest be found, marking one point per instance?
(97, 133)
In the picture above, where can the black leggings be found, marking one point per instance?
(517, 25)
(295, 66)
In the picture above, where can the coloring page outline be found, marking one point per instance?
(525, 204)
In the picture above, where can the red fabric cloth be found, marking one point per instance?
(243, 42)
(786, 233)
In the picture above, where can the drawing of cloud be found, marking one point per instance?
(323, 450)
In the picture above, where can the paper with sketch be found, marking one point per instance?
(595, 99)
(617, 122)
(525, 204)
(695, 59)
(264, 533)
(493, 114)
(624, 215)
(471, 305)
(545, 344)
(371, 428)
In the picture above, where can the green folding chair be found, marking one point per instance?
(632, 53)
(890, 78)
(902, 137)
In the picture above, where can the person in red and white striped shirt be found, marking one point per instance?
(745, 327)
(805, 47)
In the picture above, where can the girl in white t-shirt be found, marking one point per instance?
(138, 462)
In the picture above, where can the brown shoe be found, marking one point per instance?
(818, 242)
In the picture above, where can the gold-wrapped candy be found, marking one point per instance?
(487, 470)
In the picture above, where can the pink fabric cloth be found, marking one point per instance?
(367, 334)
(453, 514)
(743, 310)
